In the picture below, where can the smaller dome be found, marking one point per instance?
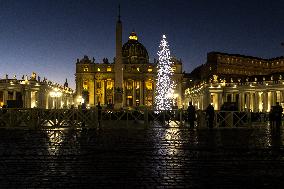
(134, 52)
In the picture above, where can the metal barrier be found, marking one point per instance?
(93, 118)
(47, 118)
(232, 118)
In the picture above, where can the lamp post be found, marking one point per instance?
(55, 94)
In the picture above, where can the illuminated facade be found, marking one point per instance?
(251, 83)
(34, 93)
(128, 81)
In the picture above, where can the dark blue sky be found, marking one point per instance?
(47, 36)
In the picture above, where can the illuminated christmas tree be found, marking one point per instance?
(165, 84)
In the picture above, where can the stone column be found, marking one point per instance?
(255, 106)
(256, 95)
(241, 101)
(273, 98)
(14, 95)
(215, 100)
(269, 101)
(46, 95)
(219, 100)
(142, 92)
(201, 101)
(5, 97)
(79, 86)
(233, 97)
(134, 93)
(246, 101)
(27, 99)
(278, 96)
(95, 92)
(251, 102)
(103, 91)
(265, 101)
(282, 96)
(91, 92)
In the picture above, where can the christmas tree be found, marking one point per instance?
(165, 84)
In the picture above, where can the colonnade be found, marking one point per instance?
(256, 100)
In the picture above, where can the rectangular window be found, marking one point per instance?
(108, 69)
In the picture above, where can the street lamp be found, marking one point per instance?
(55, 94)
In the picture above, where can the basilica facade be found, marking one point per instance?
(128, 81)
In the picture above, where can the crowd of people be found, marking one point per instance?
(191, 115)
(275, 116)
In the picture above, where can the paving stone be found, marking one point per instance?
(142, 157)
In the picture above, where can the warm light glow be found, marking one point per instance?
(260, 99)
(109, 85)
(25, 82)
(175, 95)
(149, 85)
(55, 93)
(133, 37)
(80, 99)
(86, 69)
(99, 69)
(137, 85)
(150, 69)
(108, 69)
(165, 84)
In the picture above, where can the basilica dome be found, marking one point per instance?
(134, 52)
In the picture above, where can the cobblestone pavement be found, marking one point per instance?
(140, 157)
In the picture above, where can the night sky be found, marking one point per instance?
(47, 36)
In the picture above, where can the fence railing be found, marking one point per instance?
(92, 118)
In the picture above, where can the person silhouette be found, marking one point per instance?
(277, 114)
(191, 115)
(210, 115)
(99, 114)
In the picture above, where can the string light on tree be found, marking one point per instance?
(165, 84)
